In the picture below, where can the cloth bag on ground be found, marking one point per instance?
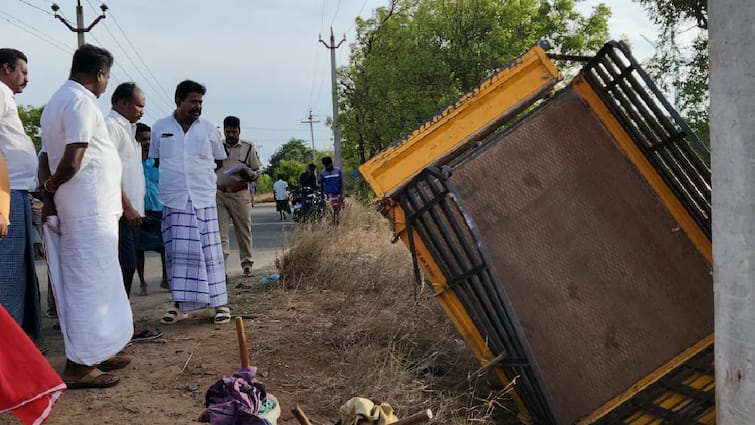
(361, 411)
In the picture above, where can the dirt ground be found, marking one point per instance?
(350, 323)
(167, 379)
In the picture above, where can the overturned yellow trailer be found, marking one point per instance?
(567, 235)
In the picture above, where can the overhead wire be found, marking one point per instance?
(139, 56)
(359, 14)
(35, 32)
(335, 15)
(160, 96)
(36, 7)
(317, 58)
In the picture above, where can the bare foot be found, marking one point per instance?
(143, 291)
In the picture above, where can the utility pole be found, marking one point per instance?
(310, 120)
(79, 29)
(336, 131)
(732, 100)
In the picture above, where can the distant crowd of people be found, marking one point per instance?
(111, 189)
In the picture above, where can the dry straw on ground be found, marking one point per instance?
(388, 339)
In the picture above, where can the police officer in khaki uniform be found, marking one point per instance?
(233, 198)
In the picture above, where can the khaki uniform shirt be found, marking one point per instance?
(244, 153)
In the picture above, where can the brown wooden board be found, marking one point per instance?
(604, 284)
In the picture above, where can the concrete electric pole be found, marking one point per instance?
(79, 29)
(336, 131)
(732, 124)
(310, 120)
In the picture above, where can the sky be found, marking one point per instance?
(260, 60)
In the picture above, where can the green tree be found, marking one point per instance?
(264, 183)
(293, 150)
(290, 170)
(290, 160)
(30, 116)
(684, 71)
(414, 57)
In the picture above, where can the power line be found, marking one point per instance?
(39, 34)
(359, 14)
(335, 15)
(35, 7)
(123, 50)
(115, 21)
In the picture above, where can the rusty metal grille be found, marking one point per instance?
(435, 215)
(677, 398)
(655, 126)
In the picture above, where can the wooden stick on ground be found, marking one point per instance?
(300, 416)
(243, 350)
(417, 418)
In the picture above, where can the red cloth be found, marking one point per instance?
(29, 386)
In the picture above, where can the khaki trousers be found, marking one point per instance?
(236, 207)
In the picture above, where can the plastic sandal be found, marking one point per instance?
(172, 316)
(222, 315)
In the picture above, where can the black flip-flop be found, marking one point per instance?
(147, 335)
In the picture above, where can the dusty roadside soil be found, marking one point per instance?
(167, 380)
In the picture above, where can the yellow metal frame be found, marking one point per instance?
(469, 120)
(475, 115)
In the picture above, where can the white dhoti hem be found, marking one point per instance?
(93, 310)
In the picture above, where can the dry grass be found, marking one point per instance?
(264, 197)
(388, 339)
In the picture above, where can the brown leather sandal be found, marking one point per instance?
(95, 378)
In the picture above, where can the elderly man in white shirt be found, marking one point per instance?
(127, 108)
(187, 150)
(81, 188)
(19, 290)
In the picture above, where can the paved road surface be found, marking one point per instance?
(270, 237)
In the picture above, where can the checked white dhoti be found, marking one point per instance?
(194, 257)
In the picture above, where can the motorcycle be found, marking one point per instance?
(308, 204)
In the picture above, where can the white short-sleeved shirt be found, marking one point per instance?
(187, 162)
(123, 135)
(72, 116)
(15, 145)
(280, 190)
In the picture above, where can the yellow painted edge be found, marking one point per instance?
(450, 303)
(649, 380)
(625, 142)
(506, 78)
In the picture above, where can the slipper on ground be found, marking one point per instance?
(95, 378)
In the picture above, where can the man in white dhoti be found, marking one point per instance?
(187, 150)
(81, 188)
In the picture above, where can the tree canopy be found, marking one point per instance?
(685, 72)
(415, 56)
(30, 116)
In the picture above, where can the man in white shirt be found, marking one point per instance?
(234, 198)
(187, 150)
(127, 108)
(280, 193)
(19, 290)
(81, 188)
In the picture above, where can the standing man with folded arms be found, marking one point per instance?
(187, 150)
(80, 174)
(19, 290)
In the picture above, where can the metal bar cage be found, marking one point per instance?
(435, 215)
(655, 126)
